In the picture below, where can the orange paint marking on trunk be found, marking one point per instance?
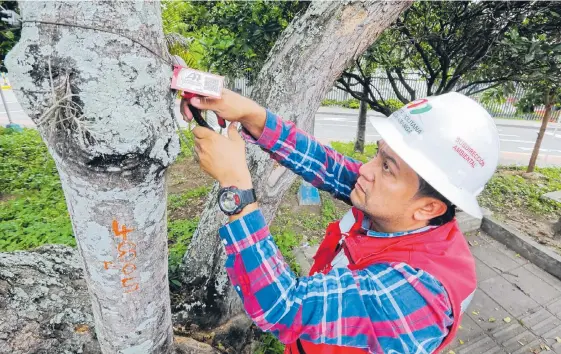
(127, 254)
(128, 268)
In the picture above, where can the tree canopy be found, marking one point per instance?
(449, 45)
(9, 35)
(231, 37)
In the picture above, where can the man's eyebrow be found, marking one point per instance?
(388, 157)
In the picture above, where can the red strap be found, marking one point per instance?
(188, 95)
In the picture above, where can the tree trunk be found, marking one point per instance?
(541, 134)
(361, 126)
(94, 77)
(302, 66)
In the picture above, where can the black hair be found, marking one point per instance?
(426, 190)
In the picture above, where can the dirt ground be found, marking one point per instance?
(186, 176)
(539, 227)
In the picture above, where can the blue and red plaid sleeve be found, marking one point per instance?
(383, 307)
(300, 152)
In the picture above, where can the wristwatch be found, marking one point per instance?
(232, 200)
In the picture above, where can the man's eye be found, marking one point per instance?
(386, 167)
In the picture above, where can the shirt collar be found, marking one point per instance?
(366, 224)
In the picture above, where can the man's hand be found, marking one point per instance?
(223, 158)
(231, 107)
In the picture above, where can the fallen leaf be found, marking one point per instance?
(451, 352)
(475, 313)
(460, 327)
(558, 339)
(461, 342)
(517, 255)
(492, 319)
(507, 319)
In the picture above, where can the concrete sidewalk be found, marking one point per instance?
(516, 308)
(500, 122)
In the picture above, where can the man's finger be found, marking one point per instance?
(202, 133)
(205, 103)
(185, 111)
(233, 133)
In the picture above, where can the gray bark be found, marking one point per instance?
(94, 77)
(45, 308)
(44, 304)
(361, 126)
(312, 52)
(541, 134)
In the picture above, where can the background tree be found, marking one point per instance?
(231, 38)
(9, 35)
(535, 50)
(87, 74)
(447, 45)
(311, 53)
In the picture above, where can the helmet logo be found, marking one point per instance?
(419, 106)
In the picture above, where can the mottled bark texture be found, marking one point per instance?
(44, 303)
(312, 52)
(94, 77)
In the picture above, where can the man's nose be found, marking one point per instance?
(367, 171)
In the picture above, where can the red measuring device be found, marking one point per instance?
(197, 83)
(197, 112)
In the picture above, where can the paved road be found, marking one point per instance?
(517, 142)
(331, 124)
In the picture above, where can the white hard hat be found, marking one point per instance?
(450, 141)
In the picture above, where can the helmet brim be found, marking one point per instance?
(426, 168)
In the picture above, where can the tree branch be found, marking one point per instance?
(418, 47)
(412, 92)
(394, 87)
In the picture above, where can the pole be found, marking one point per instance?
(5, 105)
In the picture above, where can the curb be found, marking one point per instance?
(538, 254)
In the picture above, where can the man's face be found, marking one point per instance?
(386, 191)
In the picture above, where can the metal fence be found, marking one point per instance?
(506, 109)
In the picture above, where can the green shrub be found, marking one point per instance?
(394, 104)
(347, 149)
(350, 103)
(506, 191)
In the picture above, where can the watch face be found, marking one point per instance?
(229, 201)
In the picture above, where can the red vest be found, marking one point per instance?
(442, 252)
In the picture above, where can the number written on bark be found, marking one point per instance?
(126, 260)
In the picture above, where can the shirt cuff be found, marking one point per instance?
(244, 232)
(271, 132)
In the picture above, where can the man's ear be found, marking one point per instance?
(430, 208)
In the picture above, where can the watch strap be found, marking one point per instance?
(247, 196)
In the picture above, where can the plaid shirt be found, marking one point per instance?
(384, 308)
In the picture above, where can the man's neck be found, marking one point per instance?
(392, 227)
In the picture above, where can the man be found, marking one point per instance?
(395, 273)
